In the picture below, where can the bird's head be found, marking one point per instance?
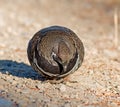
(61, 54)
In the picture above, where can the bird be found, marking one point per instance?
(55, 52)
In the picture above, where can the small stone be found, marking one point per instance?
(7, 72)
(62, 88)
(118, 88)
(91, 72)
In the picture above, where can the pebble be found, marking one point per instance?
(7, 72)
(62, 88)
(119, 87)
(91, 72)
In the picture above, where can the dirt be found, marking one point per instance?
(97, 81)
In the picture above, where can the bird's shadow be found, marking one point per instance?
(19, 69)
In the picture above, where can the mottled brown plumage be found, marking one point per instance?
(55, 52)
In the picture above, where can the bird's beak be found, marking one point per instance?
(64, 68)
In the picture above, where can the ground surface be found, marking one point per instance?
(97, 80)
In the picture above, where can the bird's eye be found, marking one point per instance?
(53, 55)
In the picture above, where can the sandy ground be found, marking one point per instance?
(97, 80)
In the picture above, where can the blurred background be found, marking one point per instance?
(91, 20)
(21, 17)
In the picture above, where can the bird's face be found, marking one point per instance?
(61, 54)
